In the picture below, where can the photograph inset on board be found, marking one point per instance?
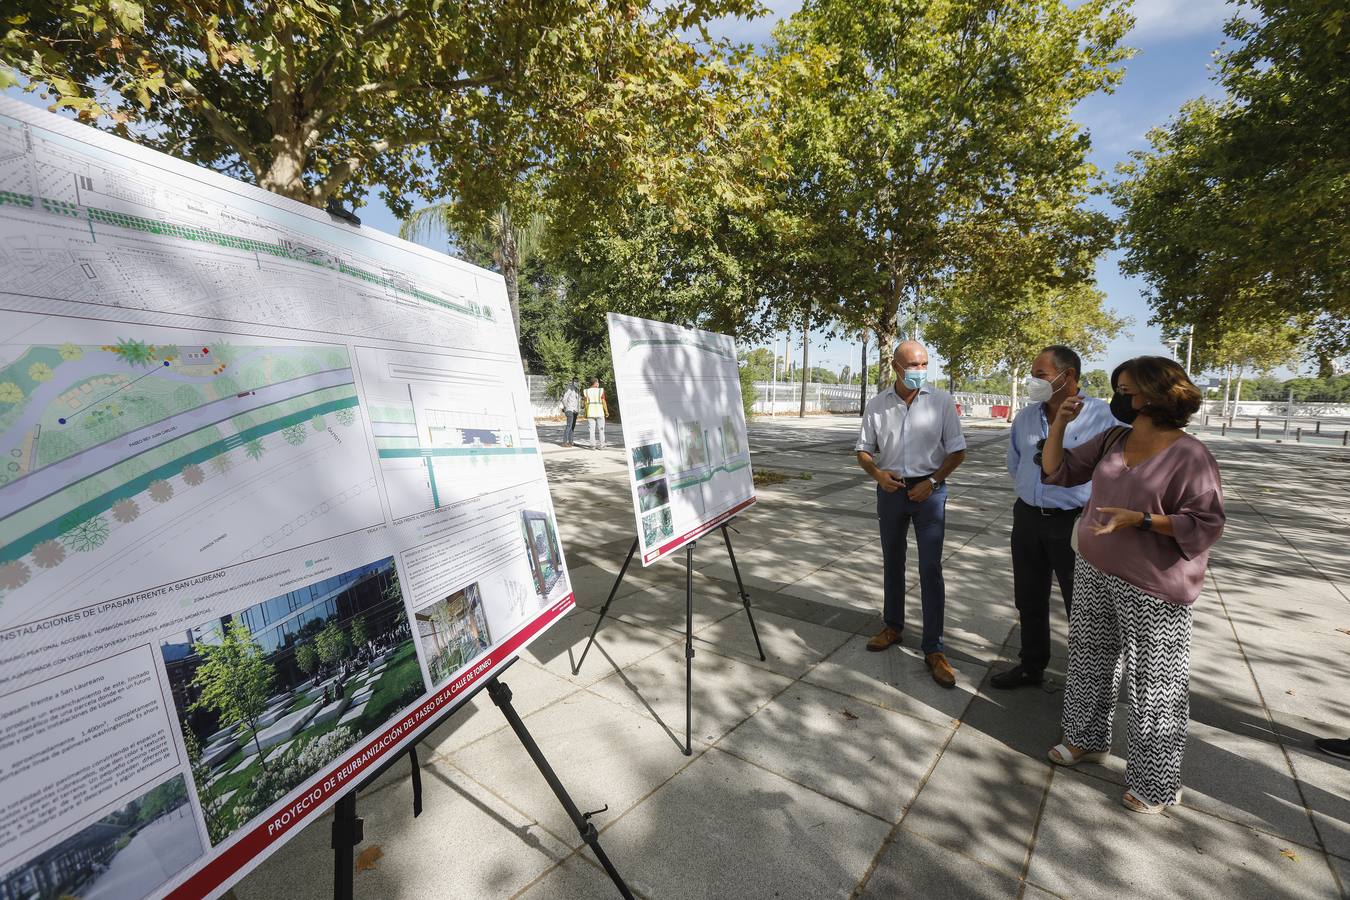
(648, 462)
(128, 853)
(653, 494)
(453, 633)
(268, 695)
(542, 550)
(657, 526)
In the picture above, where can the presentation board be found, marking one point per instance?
(271, 501)
(684, 430)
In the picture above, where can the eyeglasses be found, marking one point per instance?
(1040, 447)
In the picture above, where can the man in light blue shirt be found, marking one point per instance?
(1044, 515)
(910, 442)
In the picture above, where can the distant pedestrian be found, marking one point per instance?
(1044, 515)
(597, 410)
(571, 405)
(910, 442)
(1155, 510)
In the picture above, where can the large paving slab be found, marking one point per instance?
(859, 754)
(726, 828)
(898, 679)
(1160, 856)
(604, 754)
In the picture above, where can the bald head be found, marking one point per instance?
(910, 354)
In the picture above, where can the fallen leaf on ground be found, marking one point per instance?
(848, 715)
(1286, 852)
(1344, 630)
(366, 859)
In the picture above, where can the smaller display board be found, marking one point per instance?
(684, 430)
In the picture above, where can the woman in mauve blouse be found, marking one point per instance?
(1143, 543)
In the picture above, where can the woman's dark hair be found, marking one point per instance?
(1170, 399)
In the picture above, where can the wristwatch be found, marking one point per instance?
(1147, 523)
(936, 484)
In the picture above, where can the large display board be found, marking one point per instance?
(684, 430)
(271, 499)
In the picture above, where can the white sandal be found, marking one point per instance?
(1061, 755)
(1134, 804)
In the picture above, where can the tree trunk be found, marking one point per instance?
(286, 174)
(806, 367)
(510, 263)
(262, 763)
(1012, 407)
(862, 379)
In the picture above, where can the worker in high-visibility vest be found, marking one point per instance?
(597, 410)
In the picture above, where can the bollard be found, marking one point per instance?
(1206, 420)
(1223, 429)
(1298, 435)
(1345, 439)
(1318, 429)
(1258, 428)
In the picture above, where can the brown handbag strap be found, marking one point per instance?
(1113, 438)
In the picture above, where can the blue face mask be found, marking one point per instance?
(915, 378)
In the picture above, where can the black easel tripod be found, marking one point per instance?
(348, 828)
(688, 622)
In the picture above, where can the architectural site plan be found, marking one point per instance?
(271, 503)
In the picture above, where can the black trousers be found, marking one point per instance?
(1040, 548)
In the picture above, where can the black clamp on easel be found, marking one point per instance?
(688, 623)
(349, 829)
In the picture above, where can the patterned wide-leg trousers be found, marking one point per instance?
(1116, 627)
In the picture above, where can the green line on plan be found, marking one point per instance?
(690, 482)
(105, 501)
(415, 452)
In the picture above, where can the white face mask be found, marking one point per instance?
(1039, 390)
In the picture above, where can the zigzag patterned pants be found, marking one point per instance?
(1115, 626)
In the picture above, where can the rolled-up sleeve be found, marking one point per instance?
(1076, 465)
(953, 439)
(1198, 521)
(867, 436)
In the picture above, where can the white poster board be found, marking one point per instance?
(228, 419)
(684, 430)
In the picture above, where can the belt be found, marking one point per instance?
(912, 480)
(1049, 511)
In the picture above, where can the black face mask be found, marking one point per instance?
(1122, 408)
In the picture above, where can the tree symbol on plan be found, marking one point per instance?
(254, 449)
(87, 535)
(125, 511)
(14, 575)
(49, 554)
(345, 417)
(161, 491)
(135, 353)
(193, 474)
(69, 352)
(294, 435)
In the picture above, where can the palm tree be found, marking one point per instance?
(508, 244)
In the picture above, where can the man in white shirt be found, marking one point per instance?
(910, 442)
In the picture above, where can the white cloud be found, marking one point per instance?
(1167, 19)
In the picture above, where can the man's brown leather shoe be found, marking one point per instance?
(941, 669)
(885, 638)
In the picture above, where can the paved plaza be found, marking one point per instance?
(831, 772)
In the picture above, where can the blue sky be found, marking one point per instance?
(1175, 41)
